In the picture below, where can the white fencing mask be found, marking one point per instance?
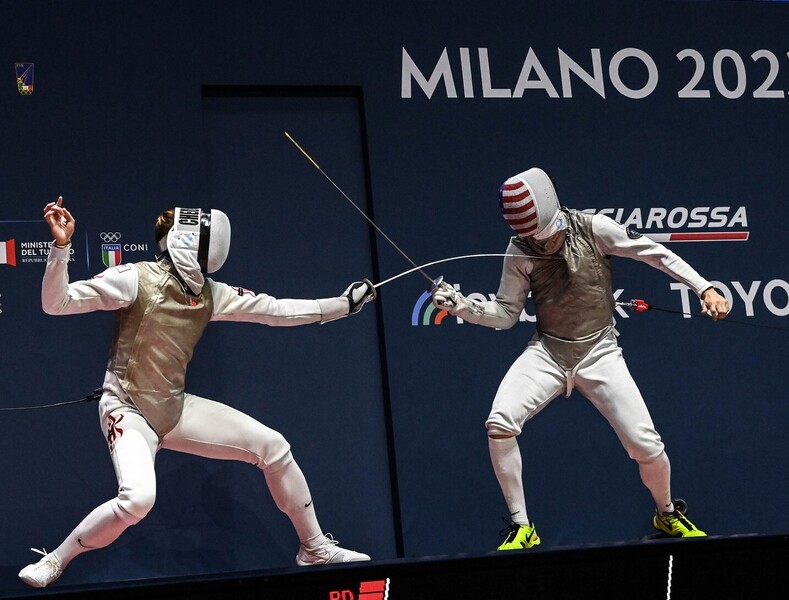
(198, 243)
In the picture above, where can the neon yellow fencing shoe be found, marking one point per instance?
(676, 524)
(521, 537)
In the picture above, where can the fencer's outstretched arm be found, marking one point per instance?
(239, 304)
(117, 287)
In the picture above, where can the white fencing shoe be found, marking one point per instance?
(42, 573)
(327, 552)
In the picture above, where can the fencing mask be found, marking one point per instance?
(198, 243)
(529, 203)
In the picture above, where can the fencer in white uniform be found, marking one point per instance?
(161, 310)
(563, 258)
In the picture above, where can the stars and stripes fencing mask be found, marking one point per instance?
(530, 205)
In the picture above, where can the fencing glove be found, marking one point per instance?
(359, 293)
(446, 297)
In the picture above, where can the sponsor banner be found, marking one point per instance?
(368, 590)
(708, 223)
(20, 243)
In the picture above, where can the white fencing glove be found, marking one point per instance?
(446, 297)
(359, 293)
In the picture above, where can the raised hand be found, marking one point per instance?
(60, 222)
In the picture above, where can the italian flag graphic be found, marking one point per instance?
(111, 254)
(8, 253)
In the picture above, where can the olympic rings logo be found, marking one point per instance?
(110, 237)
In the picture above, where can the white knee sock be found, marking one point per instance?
(103, 525)
(292, 495)
(505, 455)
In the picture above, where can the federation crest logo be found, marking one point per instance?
(111, 254)
(24, 78)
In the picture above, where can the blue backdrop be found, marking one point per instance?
(669, 116)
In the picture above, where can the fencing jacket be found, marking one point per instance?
(158, 323)
(572, 287)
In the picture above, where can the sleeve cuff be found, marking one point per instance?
(60, 253)
(333, 308)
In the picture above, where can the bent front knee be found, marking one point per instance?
(137, 502)
(275, 453)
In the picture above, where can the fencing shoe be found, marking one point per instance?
(327, 552)
(521, 537)
(42, 573)
(676, 524)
